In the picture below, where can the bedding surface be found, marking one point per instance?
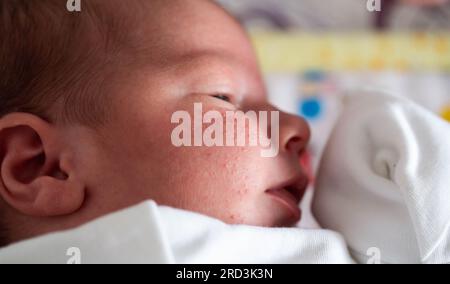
(147, 233)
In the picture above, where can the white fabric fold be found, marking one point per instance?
(148, 233)
(199, 239)
(132, 235)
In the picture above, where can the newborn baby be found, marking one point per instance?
(86, 101)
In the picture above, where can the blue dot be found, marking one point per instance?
(311, 108)
(314, 76)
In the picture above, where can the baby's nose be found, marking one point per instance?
(294, 133)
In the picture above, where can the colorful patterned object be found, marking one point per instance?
(310, 104)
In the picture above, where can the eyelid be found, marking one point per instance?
(231, 98)
(218, 96)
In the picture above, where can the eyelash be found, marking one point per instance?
(222, 97)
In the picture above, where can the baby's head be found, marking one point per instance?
(86, 105)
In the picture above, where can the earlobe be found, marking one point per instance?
(35, 168)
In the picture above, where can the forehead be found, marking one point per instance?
(194, 39)
(174, 30)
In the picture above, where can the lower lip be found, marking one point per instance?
(288, 200)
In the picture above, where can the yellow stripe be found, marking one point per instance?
(293, 52)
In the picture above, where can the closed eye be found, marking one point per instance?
(222, 97)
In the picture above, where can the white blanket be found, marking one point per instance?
(147, 233)
(384, 181)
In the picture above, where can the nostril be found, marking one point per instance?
(296, 145)
(294, 133)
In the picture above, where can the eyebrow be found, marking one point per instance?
(200, 57)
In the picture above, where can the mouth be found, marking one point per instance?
(290, 194)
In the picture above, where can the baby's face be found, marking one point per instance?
(195, 54)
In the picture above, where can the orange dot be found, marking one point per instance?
(326, 54)
(309, 88)
(446, 113)
(377, 63)
(401, 65)
(442, 46)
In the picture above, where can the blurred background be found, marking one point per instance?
(314, 52)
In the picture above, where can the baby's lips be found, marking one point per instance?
(306, 164)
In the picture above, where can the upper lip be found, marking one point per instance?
(293, 192)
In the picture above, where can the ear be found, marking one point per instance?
(37, 176)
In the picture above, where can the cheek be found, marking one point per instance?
(223, 182)
(220, 182)
(232, 168)
(214, 174)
